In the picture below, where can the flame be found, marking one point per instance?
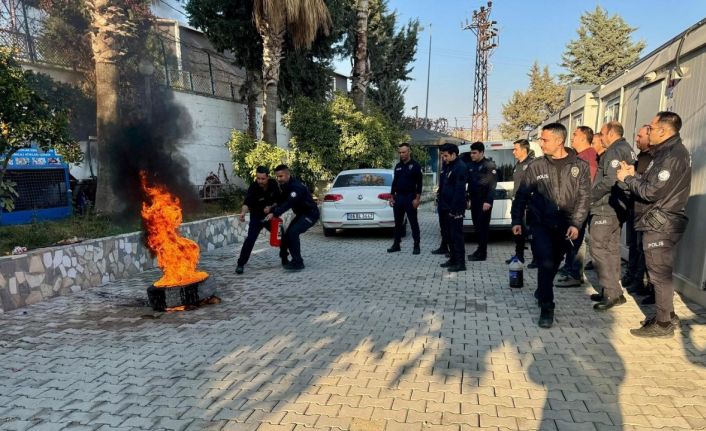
(176, 255)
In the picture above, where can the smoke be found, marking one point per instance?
(149, 137)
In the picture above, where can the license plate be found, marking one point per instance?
(360, 216)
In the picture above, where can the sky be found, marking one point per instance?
(530, 30)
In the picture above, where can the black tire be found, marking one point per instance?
(329, 232)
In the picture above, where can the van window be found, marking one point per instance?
(503, 159)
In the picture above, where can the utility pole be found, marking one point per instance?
(486, 42)
(426, 109)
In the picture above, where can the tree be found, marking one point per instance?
(359, 86)
(604, 49)
(390, 53)
(26, 117)
(543, 98)
(302, 19)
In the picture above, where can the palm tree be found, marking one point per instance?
(110, 26)
(361, 73)
(302, 19)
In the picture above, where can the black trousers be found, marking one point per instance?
(574, 258)
(457, 246)
(403, 205)
(443, 226)
(290, 239)
(481, 224)
(550, 245)
(659, 256)
(254, 227)
(605, 250)
(636, 256)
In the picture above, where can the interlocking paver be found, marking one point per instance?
(361, 340)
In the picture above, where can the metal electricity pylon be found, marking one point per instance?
(486, 42)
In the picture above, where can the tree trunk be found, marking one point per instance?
(106, 19)
(272, 41)
(359, 86)
(107, 81)
(251, 101)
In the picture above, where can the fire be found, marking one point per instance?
(176, 255)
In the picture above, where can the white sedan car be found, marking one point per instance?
(359, 198)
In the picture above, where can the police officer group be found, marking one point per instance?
(589, 190)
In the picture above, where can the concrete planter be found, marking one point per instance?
(47, 272)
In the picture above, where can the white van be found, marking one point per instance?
(499, 152)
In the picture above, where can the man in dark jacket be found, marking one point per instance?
(663, 192)
(609, 210)
(406, 193)
(524, 156)
(482, 179)
(262, 195)
(295, 196)
(556, 192)
(452, 203)
(633, 280)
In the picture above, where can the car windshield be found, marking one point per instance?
(365, 179)
(503, 159)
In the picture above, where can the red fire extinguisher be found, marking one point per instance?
(276, 231)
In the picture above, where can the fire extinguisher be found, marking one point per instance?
(276, 231)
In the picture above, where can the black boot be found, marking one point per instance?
(546, 315)
(395, 247)
(416, 249)
(440, 250)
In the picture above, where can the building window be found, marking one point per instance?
(612, 110)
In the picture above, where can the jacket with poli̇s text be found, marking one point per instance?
(407, 178)
(554, 199)
(296, 196)
(663, 190)
(482, 179)
(452, 196)
(257, 198)
(608, 196)
(519, 171)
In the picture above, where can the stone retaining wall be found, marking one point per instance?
(47, 272)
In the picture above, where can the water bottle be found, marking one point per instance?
(516, 276)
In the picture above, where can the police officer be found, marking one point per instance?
(633, 280)
(406, 195)
(295, 196)
(262, 194)
(482, 178)
(452, 203)
(524, 155)
(609, 210)
(556, 191)
(443, 216)
(663, 192)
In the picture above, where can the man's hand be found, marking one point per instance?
(487, 206)
(517, 229)
(415, 203)
(242, 217)
(269, 217)
(392, 201)
(625, 171)
(572, 233)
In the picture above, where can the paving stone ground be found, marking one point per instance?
(360, 340)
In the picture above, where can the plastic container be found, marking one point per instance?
(516, 273)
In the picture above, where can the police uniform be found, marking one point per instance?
(406, 186)
(556, 195)
(452, 203)
(636, 259)
(482, 179)
(295, 196)
(443, 216)
(257, 199)
(517, 176)
(609, 210)
(662, 193)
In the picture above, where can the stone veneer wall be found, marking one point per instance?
(47, 272)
